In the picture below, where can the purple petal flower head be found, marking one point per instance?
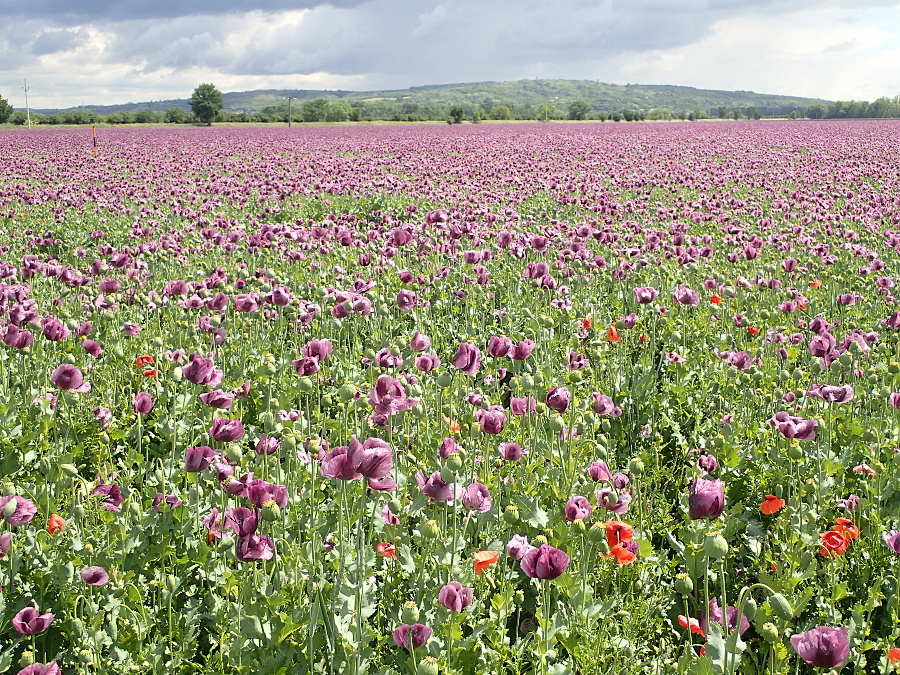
(823, 647)
(599, 472)
(604, 405)
(201, 371)
(103, 415)
(261, 492)
(523, 406)
(54, 329)
(558, 399)
(219, 399)
(427, 362)
(851, 503)
(499, 346)
(143, 403)
(411, 637)
(318, 349)
(406, 300)
(172, 501)
(613, 501)
(578, 508)
(94, 576)
(226, 430)
(716, 615)
(455, 597)
(448, 447)
(491, 420)
(476, 497)
(198, 458)
(130, 329)
(27, 621)
(685, 296)
(92, 348)
(545, 562)
(435, 487)
(14, 338)
(467, 358)
(23, 511)
(893, 321)
(892, 540)
(243, 521)
(795, 427)
(707, 463)
(254, 547)
(419, 342)
(518, 546)
(822, 346)
(645, 294)
(511, 451)
(894, 400)
(111, 494)
(388, 517)
(834, 394)
(338, 464)
(68, 378)
(51, 668)
(373, 457)
(706, 499)
(620, 480)
(522, 350)
(5, 541)
(267, 445)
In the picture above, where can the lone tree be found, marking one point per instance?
(6, 110)
(206, 103)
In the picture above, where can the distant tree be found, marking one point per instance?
(736, 114)
(500, 112)
(722, 112)
(456, 114)
(6, 110)
(816, 112)
(659, 114)
(206, 103)
(76, 116)
(629, 115)
(579, 110)
(617, 117)
(314, 111)
(337, 112)
(752, 112)
(546, 111)
(698, 114)
(683, 115)
(603, 115)
(477, 115)
(147, 117)
(176, 116)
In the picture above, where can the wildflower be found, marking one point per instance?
(112, 496)
(55, 524)
(372, 458)
(51, 668)
(624, 553)
(558, 399)
(491, 420)
(522, 350)
(226, 430)
(719, 616)
(467, 358)
(528, 405)
(587, 323)
(22, 512)
(613, 501)
(794, 427)
(691, 625)
(612, 335)
(545, 562)
(618, 532)
(411, 637)
(892, 540)
(455, 597)
(865, 468)
(68, 378)
(5, 541)
(753, 330)
(511, 451)
(823, 647)
(484, 559)
(197, 458)
(518, 546)
(476, 497)
(706, 499)
(201, 371)
(833, 543)
(172, 501)
(143, 403)
(94, 576)
(435, 487)
(771, 505)
(27, 621)
(815, 283)
(645, 294)
(386, 550)
(143, 360)
(716, 300)
(578, 508)
(259, 492)
(846, 526)
(419, 342)
(254, 547)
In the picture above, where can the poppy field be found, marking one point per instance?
(451, 399)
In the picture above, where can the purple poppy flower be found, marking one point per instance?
(197, 458)
(716, 615)
(51, 668)
(94, 576)
(645, 294)
(707, 463)
(84, 329)
(243, 521)
(892, 540)
(239, 487)
(143, 403)
(893, 321)
(604, 405)
(254, 547)
(523, 406)
(467, 358)
(219, 399)
(435, 487)
(411, 637)
(130, 329)
(448, 447)
(613, 501)
(685, 296)
(388, 398)
(578, 508)
(172, 501)
(15, 338)
(27, 621)
(267, 445)
(23, 511)
(795, 427)
(306, 366)
(419, 342)
(491, 420)
(620, 480)
(68, 378)
(476, 497)
(54, 329)
(522, 350)
(406, 300)
(5, 541)
(280, 296)
(201, 371)
(851, 503)
(103, 415)
(599, 472)
(318, 349)
(822, 346)
(545, 562)
(558, 399)
(706, 499)
(455, 597)
(518, 546)
(226, 430)
(111, 494)
(259, 492)
(834, 394)
(92, 348)
(427, 362)
(499, 346)
(823, 647)
(511, 451)
(894, 400)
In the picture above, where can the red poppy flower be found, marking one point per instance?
(716, 300)
(833, 543)
(453, 424)
(587, 323)
(815, 283)
(894, 656)
(484, 559)
(55, 524)
(643, 339)
(753, 330)
(846, 527)
(149, 372)
(622, 555)
(143, 360)
(690, 624)
(617, 532)
(772, 505)
(386, 550)
(612, 334)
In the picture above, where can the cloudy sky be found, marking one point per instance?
(76, 52)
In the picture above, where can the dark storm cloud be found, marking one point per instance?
(54, 41)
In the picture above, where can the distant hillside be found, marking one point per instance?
(559, 93)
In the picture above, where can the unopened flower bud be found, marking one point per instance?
(769, 632)
(431, 530)
(684, 584)
(781, 606)
(597, 534)
(715, 546)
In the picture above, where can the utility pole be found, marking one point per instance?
(27, 109)
(290, 98)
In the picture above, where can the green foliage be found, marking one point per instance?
(176, 116)
(500, 112)
(6, 110)
(206, 103)
(579, 110)
(456, 115)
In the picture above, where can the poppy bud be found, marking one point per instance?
(226, 544)
(684, 584)
(305, 384)
(409, 613)
(455, 461)
(795, 452)
(431, 530)
(603, 548)
(636, 466)
(511, 514)
(234, 453)
(69, 470)
(557, 423)
(597, 534)
(769, 632)
(749, 608)
(578, 526)
(428, 666)
(715, 546)
(781, 606)
(346, 393)
(10, 508)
